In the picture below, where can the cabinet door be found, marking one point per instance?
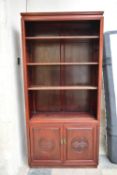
(81, 144)
(46, 148)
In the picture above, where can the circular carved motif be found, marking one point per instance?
(79, 144)
(46, 144)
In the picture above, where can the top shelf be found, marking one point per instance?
(61, 63)
(62, 37)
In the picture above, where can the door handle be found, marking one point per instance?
(63, 141)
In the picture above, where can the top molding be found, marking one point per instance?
(62, 15)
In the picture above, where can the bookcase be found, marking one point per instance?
(62, 63)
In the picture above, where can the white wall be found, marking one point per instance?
(12, 128)
(109, 8)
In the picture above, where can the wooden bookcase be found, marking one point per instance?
(62, 58)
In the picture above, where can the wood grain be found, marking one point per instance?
(62, 66)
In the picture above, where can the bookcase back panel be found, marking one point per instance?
(80, 101)
(49, 28)
(44, 101)
(80, 75)
(81, 51)
(44, 75)
(43, 51)
(63, 51)
(63, 75)
(63, 101)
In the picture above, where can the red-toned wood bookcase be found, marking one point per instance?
(62, 63)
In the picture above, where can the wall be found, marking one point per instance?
(12, 129)
(12, 126)
(109, 8)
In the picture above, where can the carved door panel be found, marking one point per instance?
(80, 144)
(46, 147)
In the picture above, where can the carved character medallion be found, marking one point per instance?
(46, 144)
(79, 144)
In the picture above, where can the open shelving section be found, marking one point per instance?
(62, 55)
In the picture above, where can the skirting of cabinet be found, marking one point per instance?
(64, 145)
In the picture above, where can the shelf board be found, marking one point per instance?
(62, 88)
(62, 63)
(69, 116)
(62, 37)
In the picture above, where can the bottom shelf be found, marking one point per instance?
(62, 116)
